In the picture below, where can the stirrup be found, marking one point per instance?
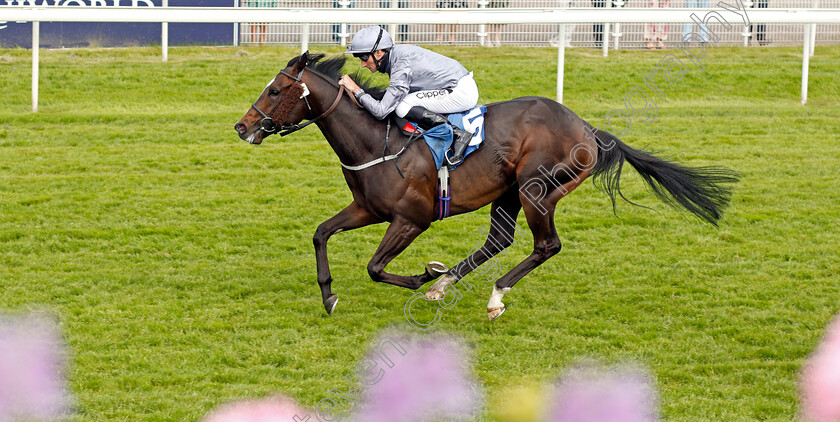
(449, 160)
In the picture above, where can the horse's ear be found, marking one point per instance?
(301, 63)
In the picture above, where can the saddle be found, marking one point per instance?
(439, 140)
(405, 126)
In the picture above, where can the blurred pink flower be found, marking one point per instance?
(32, 383)
(431, 379)
(276, 409)
(597, 395)
(820, 379)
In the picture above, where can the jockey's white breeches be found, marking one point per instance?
(463, 97)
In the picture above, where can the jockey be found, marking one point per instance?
(423, 84)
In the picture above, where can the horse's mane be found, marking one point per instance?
(331, 68)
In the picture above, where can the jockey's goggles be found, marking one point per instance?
(364, 56)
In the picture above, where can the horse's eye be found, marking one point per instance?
(274, 92)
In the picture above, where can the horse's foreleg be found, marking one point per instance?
(503, 214)
(399, 235)
(351, 217)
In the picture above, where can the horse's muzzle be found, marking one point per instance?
(241, 129)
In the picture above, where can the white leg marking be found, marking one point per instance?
(496, 297)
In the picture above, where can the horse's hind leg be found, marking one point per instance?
(503, 214)
(546, 245)
(540, 217)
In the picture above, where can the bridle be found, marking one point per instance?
(272, 122)
(297, 91)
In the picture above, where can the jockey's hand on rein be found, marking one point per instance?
(349, 83)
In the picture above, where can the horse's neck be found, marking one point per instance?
(353, 133)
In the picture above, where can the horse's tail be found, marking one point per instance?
(703, 191)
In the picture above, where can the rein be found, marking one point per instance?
(296, 92)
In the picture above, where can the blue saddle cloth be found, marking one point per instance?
(439, 138)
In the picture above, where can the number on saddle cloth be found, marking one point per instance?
(439, 138)
(471, 121)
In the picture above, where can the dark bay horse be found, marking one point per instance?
(535, 152)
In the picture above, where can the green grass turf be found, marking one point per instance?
(179, 259)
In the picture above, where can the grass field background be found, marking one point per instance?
(178, 260)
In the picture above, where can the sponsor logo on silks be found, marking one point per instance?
(431, 94)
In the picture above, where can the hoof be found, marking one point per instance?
(496, 312)
(330, 303)
(438, 290)
(436, 269)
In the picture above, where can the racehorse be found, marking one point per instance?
(535, 152)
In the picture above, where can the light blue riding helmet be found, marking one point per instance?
(370, 39)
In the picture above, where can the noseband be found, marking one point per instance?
(272, 122)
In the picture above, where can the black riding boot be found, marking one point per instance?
(460, 142)
(427, 120)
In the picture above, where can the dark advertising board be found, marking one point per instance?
(114, 34)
